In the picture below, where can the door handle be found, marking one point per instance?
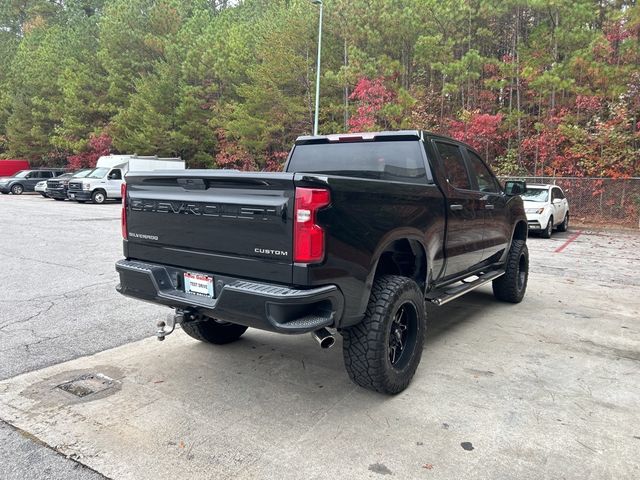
(488, 206)
(455, 207)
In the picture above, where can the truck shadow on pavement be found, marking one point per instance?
(288, 360)
(441, 320)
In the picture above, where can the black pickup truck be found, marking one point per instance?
(355, 235)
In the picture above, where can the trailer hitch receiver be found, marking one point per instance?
(167, 328)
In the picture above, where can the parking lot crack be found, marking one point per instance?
(37, 260)
(64, 295)
(29, 318)
(42, 340)
(588, 447)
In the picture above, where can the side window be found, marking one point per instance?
(46, 174)
(115, 174)
(454, 167)
(559, 193)
(486, 181)
(554, 194)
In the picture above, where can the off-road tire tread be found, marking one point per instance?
(505, 288)
(209, 331)
(364, 346)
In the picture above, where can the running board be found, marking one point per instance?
(446, 294)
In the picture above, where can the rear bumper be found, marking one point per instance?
(259, 305)
(78, 195)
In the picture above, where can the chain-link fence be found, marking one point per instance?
(606, 201)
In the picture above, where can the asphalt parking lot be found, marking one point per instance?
(549, 388)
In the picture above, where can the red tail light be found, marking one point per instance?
(308, 237)
(123, 192)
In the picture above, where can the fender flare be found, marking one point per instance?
(523, 226)
(414, 237)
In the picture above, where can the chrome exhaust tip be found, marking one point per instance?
(324, 338)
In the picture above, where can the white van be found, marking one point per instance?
(105, 181)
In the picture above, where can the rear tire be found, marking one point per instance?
(98, 197)
(512, 286)
(209, 330)
(546, 233)
(17, 189)
(383, 351)
(564, 226)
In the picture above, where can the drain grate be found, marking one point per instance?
(87, 384)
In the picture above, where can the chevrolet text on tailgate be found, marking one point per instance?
(354, 237)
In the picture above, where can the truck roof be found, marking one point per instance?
(541, 185)
(368, 136)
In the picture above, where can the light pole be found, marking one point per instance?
(315, 123)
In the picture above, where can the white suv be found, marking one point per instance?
(547, 208)
(41, 188)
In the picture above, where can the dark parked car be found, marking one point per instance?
(57, 187)
(356, 235)
(26, 180)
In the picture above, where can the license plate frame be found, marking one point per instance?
(198, 284)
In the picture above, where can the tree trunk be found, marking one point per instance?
(307, 87)
(442, 100)
(346, 89)
(554, 37)
(517, 40)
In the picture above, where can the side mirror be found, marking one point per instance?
(515, 187)
(557, 201)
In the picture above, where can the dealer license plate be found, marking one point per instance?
(72, 195)
(198, 284)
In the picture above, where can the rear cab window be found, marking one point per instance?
(398, 160)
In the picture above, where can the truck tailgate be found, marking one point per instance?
(221, 222)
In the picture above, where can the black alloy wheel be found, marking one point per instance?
(402, 335)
